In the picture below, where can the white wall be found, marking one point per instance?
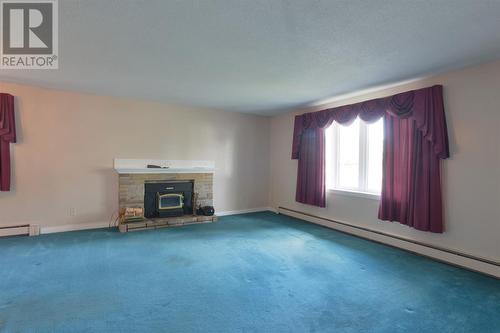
(67, 142)
(471, 177)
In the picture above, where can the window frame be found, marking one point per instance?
(333, 180)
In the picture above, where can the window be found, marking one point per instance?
(354, 156)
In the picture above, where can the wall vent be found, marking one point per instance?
(20, 230)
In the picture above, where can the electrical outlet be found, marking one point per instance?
(72, 211)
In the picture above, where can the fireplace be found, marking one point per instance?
(165, 194)
(167, 199)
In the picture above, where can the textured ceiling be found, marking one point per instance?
(261, 56)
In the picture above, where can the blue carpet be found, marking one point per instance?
(246, 273)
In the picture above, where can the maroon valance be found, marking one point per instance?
(7, 135)
(415, 139)
(425, 106)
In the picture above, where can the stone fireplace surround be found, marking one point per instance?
(133, 174)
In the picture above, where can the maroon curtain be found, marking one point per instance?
(413, 147)
(310, 151)
(311, 178)
(7, 135)
(415, 139)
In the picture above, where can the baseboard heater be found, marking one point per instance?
(20, 230)
(404, 239)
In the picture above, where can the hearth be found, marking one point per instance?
(168, 199)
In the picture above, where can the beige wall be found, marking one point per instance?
(471, 177)
(67, 143)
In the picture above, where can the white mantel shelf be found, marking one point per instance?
(169, 170)
(127, 166)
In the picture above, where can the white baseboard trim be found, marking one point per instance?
(99, 225)
(73, 227)
(245, 211)
(439, 255)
